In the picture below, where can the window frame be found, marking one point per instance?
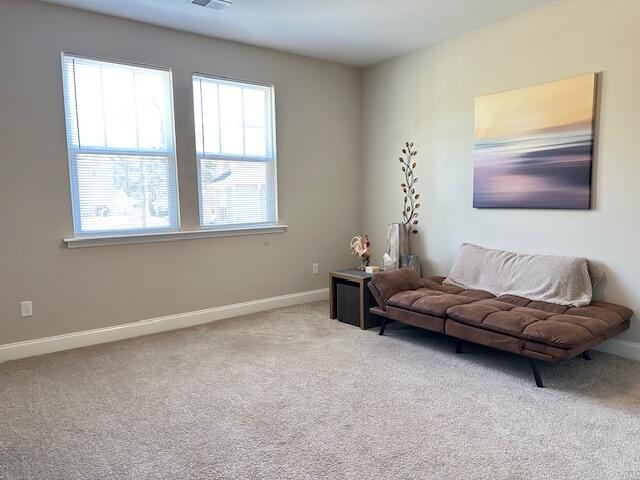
(272, 171)
(73, 152)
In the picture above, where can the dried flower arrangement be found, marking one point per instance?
(409, 213)
(361, 246)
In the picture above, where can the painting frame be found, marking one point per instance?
(534, 146)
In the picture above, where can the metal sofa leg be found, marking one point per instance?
(383, 326)
(536, 373)
(586, 355)
(458, 346)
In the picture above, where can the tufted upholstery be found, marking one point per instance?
(567, 328)
(545, 323)
(435, 302)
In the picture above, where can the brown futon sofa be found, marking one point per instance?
(538, 330)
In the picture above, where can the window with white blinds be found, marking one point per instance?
(120, 135)
(234, 129)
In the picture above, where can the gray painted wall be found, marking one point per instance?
(318, 121)
(428, 97)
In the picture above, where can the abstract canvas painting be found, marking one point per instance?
(534, 146)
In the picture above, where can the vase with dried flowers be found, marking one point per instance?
(398, 247)
(361, 246)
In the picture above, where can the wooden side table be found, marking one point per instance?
(360, 302)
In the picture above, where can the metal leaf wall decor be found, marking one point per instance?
(411, 198)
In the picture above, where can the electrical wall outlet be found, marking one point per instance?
(26, 309)
(315, 268)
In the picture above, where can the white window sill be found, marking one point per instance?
(100, 241)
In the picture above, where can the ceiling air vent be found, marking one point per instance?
(212, 4)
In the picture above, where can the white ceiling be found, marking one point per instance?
(355, 32)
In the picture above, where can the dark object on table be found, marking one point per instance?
(348, 299)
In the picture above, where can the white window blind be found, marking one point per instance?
(234, 129)
(120, 135)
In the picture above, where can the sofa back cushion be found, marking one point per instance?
(388, 283)
(546, 278)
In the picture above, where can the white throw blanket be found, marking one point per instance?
(547, 278)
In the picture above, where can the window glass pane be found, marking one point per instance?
(235, 192)
(231, 120)
(89, 101)
(254, 139)
(121, 146)
(152, 108)
(198, 110)
(119, 107)
(254, 107)
(210, 121)
(123, 193)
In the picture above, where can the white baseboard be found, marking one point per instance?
(40, 346)
(622, 348)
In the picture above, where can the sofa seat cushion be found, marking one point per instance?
(435, 302)
(550, 324)
(602, 310)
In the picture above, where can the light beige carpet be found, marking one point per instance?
(290, 394)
